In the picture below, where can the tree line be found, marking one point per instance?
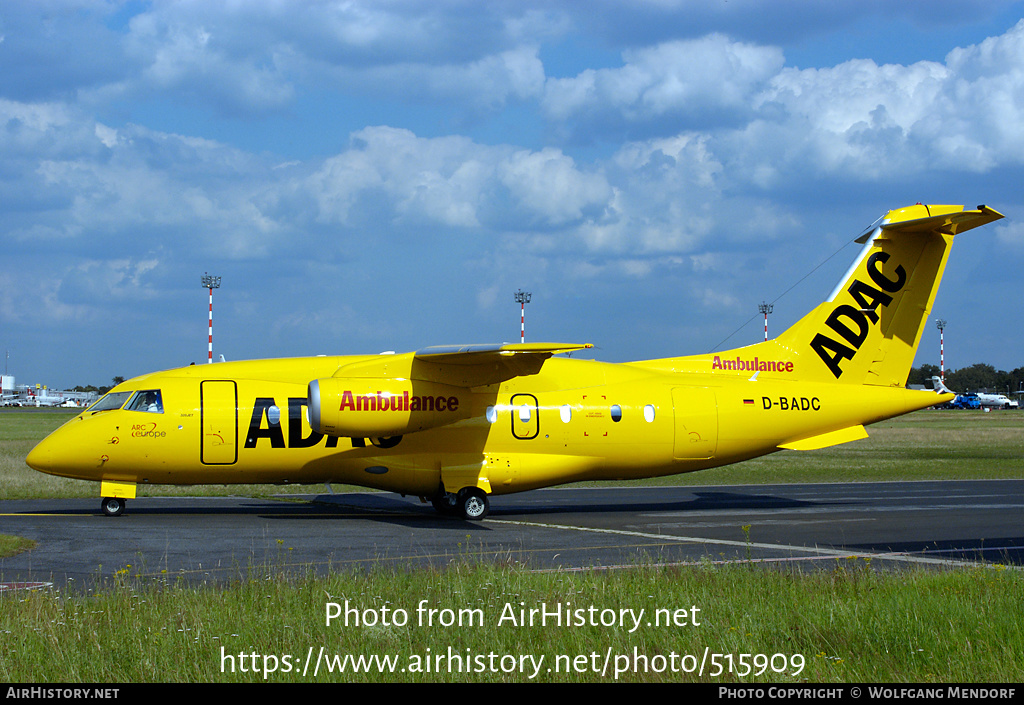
(976, 378)
(100, 391)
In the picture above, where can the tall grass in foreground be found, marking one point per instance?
(850, 624)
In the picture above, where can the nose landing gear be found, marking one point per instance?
(112, 506)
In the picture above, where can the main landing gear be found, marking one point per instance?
(112, 506)
(468, 503)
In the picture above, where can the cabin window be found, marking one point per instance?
(148, 400)
(565, 413)
(649, 413)
(524, 413)
(492, 414)
(616, 413)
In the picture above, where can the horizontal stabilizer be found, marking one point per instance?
(948, 223)
(824, 440)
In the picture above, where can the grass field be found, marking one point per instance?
(472, 624)
(848, 624)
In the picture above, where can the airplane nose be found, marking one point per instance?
(41, 457)
(66, 452)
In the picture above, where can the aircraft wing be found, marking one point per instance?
(477, 354)
(480, 365)
(463, 365)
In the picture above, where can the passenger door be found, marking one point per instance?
(219, 402)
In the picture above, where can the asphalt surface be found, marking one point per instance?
(806, 526)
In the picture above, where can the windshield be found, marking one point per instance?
(110, 401)
(147, 400)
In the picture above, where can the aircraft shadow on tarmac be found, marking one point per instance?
(391, 508)
(388, 508)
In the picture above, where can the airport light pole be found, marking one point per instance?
(765, 309)
(211, 283)
(523, 297)
(942, 353)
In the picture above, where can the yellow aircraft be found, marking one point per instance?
(454, 425)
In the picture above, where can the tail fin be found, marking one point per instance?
(868, 330)
(940, 387)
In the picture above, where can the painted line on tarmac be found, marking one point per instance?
(46, 514)
(815, 552)
(4, 587)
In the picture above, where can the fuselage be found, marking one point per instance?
(247, 422)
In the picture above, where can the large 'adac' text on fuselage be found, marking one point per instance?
(262, 425)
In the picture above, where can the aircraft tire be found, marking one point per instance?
(473, 503)
(112, 506)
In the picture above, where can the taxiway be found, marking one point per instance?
(945, 523)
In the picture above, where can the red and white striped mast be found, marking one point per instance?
(765, 309)
(211, 283)
(942, 353)
(523, 297)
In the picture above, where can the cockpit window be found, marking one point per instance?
(114, 400)
(148, 400)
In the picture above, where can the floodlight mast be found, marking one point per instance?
(765, 309)
(941, 324)
(523, 298)
(211, 283)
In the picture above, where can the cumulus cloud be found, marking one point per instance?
(452, 181)
(685, 79)
(857, 120)
(501, 141)
(861, 121)
(207, 64)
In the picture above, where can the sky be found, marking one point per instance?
(371, 176)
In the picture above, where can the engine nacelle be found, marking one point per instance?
(357, 407)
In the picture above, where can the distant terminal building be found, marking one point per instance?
(7, 390)
(39, 395)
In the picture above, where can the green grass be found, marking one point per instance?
(851, 624)
(13, 545)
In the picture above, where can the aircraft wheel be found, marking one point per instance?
(113, 506)
(473, 503)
